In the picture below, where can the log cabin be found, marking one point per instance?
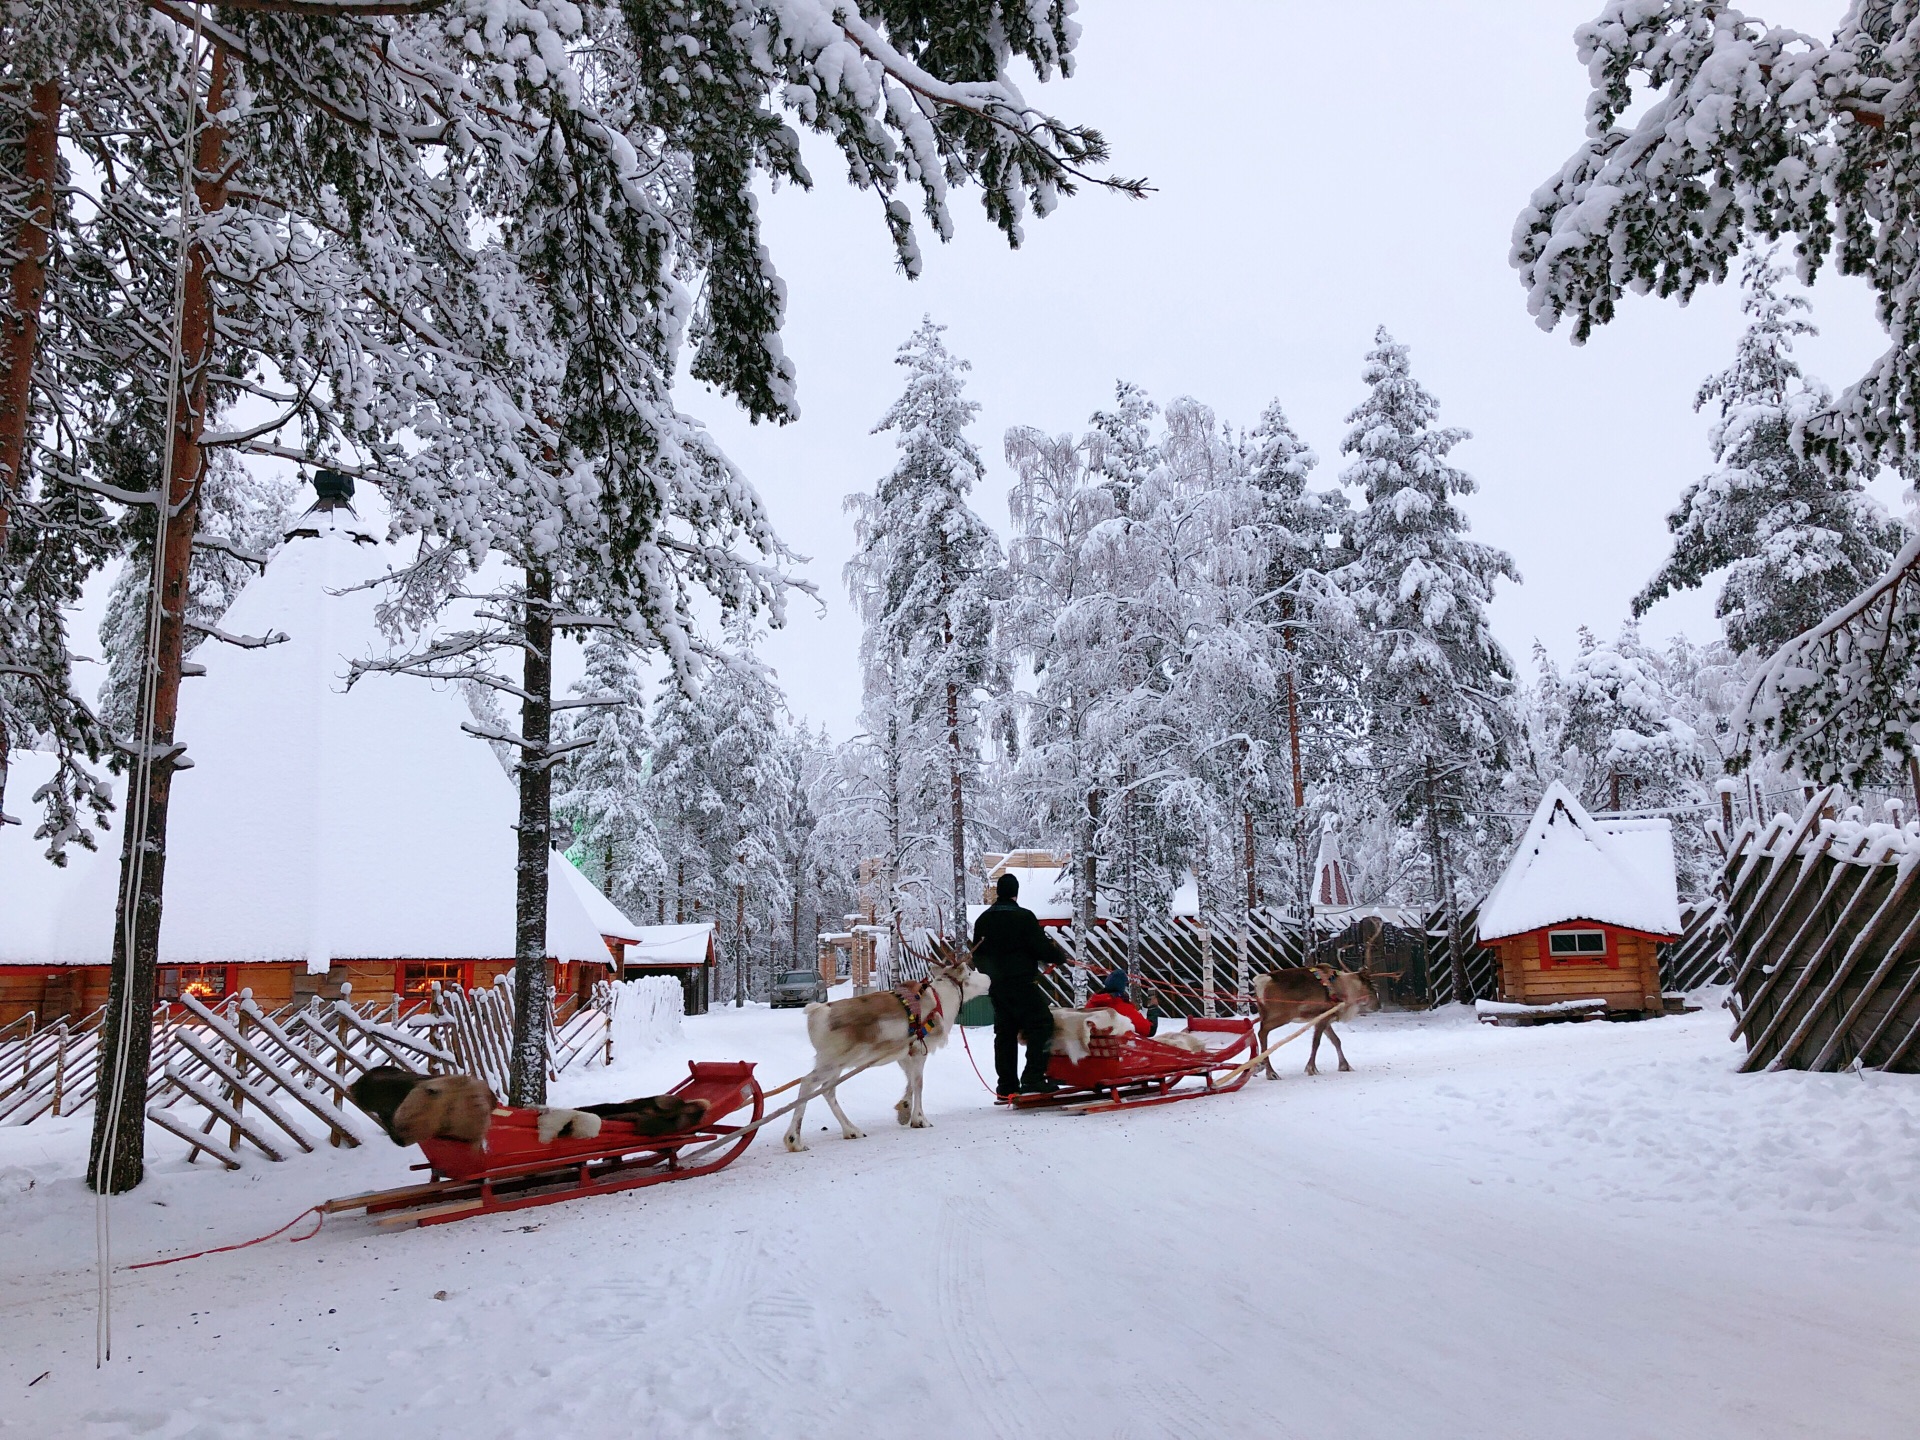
(1581, 908)
(322, 837)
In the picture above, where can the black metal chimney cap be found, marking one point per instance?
(332, 486)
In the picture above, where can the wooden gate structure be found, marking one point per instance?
(1822, 926)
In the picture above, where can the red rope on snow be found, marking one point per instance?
(223, 1249)
(965, 1045)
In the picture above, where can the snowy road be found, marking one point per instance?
(1570, 1231)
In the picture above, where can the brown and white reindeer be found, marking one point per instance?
(1300, 993)
(904, 1025)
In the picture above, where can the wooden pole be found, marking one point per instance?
(130, 992)
(527, 1072)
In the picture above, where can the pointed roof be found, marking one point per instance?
(315, 823)
(1569, 866)
(1330, 888)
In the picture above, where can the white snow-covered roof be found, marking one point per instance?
(1569, 866)
(670, 945)
(316, 824)
(1047, 890)
(603, 912)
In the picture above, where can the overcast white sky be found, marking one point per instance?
(1320, 169)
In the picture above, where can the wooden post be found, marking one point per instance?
(59, 1067)
(236, 1097)
(1726, 813)
(340, 1029)
(740, 939)
(1208, 1007)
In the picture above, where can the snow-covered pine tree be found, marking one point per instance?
(935, 567)
(1065, 616)
(720, 790)
(600, 789)
(1795, 538)
(1437, 679)
(1795, 136)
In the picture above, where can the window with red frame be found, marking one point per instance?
(417, 977)
(1577, 947)
(203, 982)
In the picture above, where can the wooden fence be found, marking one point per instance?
(1822, 923)
(230, 1079)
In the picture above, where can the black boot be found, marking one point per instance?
(1041, 1086)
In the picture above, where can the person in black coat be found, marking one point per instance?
(1009, 948)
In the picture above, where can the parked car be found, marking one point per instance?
(796, 987)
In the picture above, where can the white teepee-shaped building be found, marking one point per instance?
(321, 834)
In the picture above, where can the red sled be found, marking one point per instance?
(1122, 1071)
(511, 1169)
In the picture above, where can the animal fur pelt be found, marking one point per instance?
(1072, 1029)
(379, 1092)
(653, 1114)
(446, 1107)
(1182, 1040)
(574, 1124)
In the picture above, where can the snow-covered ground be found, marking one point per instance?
(1566, 1231)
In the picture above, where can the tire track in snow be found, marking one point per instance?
(1005, 1400)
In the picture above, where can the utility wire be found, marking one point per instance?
(140, 780)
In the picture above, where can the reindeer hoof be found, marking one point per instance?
(1345, 1066)
(795, 1144)
(921, 1124)
(856, 1135)
(902, 1113)
(1313, 1069)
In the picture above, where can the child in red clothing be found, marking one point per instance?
(1111, 994)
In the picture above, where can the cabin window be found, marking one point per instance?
(1577, 947)
(417, 977)
(203, 982)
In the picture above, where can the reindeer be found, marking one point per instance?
(904, 1025)
(1300, 993)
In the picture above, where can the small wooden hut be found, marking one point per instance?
(1581, 908)
(685, 952)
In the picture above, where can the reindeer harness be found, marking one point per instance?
(918, 1025)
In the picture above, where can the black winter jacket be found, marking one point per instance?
(1009, 946)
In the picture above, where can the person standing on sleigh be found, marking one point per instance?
(1010, 949)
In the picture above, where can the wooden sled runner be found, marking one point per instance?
(512, 1169)
(1124, 1071)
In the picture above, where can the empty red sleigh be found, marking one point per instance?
(1121, 1071)
(512, 1169)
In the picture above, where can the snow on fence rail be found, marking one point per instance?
(1822, 917)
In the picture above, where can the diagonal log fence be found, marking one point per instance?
(1821, 924)
(231, 1080)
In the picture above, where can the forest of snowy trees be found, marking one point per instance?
(1191, 651)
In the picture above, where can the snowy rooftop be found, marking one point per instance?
(1569, 866)
(1047, 890)
(670, 945)
(316, 823)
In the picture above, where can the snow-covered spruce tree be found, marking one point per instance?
(935, 568)
(1745, 133)
(1437, 679)
(719, 789)
(600, 791)
(1065, 616)
(1795, 538)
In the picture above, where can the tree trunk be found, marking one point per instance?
(894, 842)
(740, 942)
(1133, 890)
(957, 799)
(39, 166)
(1244, 982)
(1443, 889)
(1088, 898)
(1303, 876)
(118, 1155)
(527, 1084)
